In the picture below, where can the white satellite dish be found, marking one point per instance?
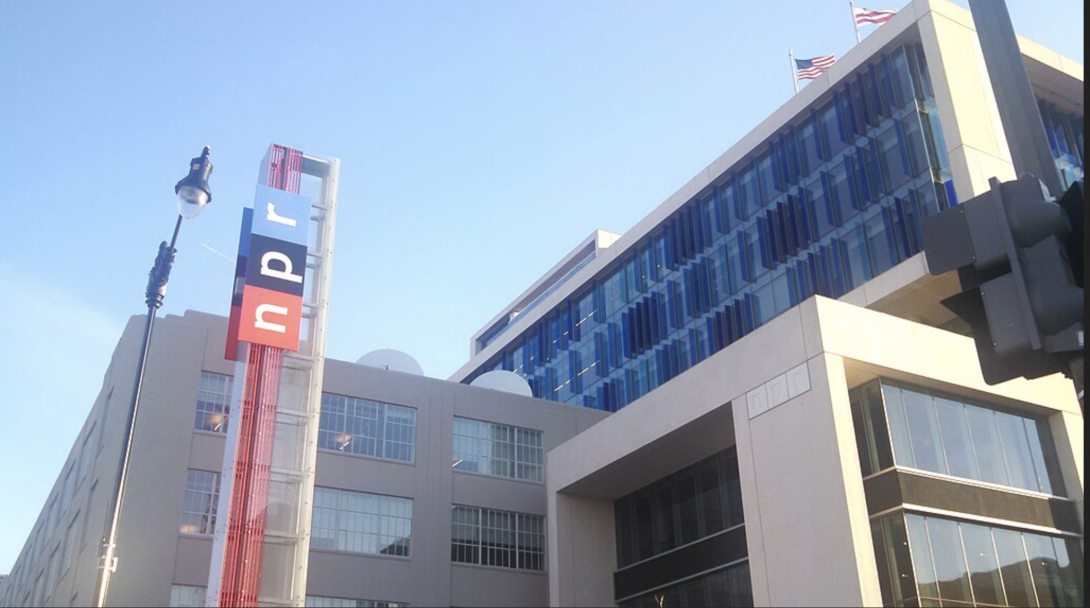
(503, 380)
(393, 360)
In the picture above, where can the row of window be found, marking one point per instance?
(834, 201)
(831, 202)
(931, 561)
(382, 430)
(189, 596)
(374, 524)
(904, 426)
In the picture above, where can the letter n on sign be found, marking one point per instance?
(270, 317)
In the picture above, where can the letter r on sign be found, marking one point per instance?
(273, 216)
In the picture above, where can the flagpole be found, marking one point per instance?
(851, 4)
(794, 76)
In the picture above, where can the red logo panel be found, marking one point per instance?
(270, 318)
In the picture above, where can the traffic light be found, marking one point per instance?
(1011, 247)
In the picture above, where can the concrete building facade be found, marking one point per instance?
(389, 486)
(753, 397)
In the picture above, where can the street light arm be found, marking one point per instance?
(159, 274)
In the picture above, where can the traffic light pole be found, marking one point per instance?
(1018, 111)
(1077, 378)
(1014, 96)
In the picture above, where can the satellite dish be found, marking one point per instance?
(393, 360)
(503, 380)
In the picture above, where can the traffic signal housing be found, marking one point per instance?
(1012, 247)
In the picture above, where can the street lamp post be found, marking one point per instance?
(193, 194)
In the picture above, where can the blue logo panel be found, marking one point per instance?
(281, 215)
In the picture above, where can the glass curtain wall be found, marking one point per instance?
(724, 588)
(916, 428)
(826, 204)
(688, 506)
(1065, 136)
(931, 561)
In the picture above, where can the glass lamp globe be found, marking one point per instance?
(191, 200)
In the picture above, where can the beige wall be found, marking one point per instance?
(582, 551)
(813, 528)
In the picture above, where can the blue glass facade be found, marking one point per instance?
(1065, 137)
(832, 200)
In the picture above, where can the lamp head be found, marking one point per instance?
(193, 190)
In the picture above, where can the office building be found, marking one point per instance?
(752, 397)
(427, 493)
(874, 465)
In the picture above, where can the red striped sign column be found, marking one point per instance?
(245, 540)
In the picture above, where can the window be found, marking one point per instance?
(200, 502)
(853, 253)
(69, 542)
(317, 601)
(39, 590)
(927, 560)
(895, 576)
(51, 519)
(748, 193)
(367, 428)
(809, 146)
(942, 434)
(53, 571)
(613, 292)
(497, 538)
(585, 313)
(821, 209)
(85, 455)
(213, 402)
(498, 450)
(842, 194)
(361, 523)
(187, 595)
(69, 487)
(90, 501)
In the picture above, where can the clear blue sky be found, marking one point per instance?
(480, 142)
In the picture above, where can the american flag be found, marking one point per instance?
(864, 16)
(809, 69)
